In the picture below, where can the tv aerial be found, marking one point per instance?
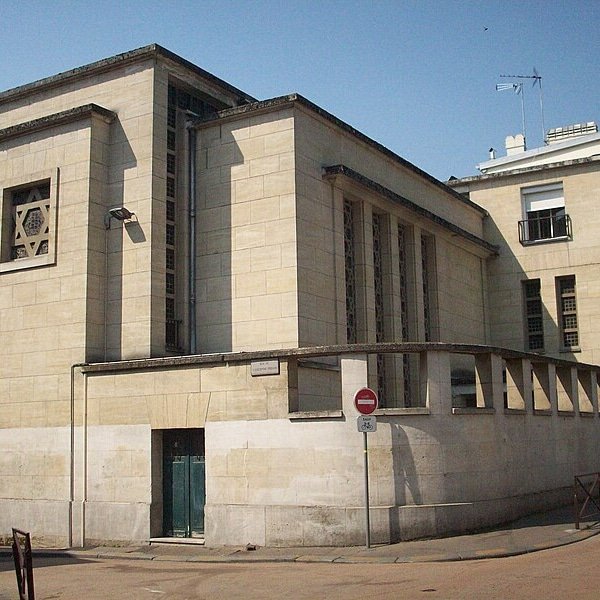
(537, 79)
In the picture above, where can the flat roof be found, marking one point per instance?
(519, 171)
(295, 98)
(539, 152)
(106, 64)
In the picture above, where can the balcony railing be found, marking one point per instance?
(543, 229)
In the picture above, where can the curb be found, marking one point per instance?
(236, 557)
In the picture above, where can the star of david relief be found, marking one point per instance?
(32, 224)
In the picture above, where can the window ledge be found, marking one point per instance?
(566, 413)
(562, 238)
(315, 414)
(26, 263)
(515, 411)
(402, 411)
(587, 415)
(542, 412)
(569, 350)
(473, 410)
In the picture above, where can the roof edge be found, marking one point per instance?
(106, 64)
(295, 98)
(66, 116)
(514, 172)
(335, 170)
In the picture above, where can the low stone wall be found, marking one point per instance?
(279, 476)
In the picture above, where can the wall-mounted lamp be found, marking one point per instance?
(120, 213)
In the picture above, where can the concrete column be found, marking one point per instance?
(544, 386)
(518, 384)
(354, 376)
(566, 389)
(292, 385)
(488, 381)
(594, 392)
(435, 380)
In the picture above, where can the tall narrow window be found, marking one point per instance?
(181, 104)
(403, 276)
(350, 272)
(534, 325)
(379, 304)
(567, 312)
(425, 264)
(172, 341)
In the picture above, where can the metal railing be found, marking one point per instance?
(538, 229)
(21, 548)
(588, 491)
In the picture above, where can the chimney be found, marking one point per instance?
(492, 154)
(559, 134)
(515, 144)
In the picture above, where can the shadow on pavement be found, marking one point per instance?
(40, 562)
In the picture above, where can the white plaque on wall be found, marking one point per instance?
(264, 367)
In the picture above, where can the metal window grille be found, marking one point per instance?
(170, 234)
(171, 322)
(170, 286)
(568, 311)
(170, 259)
(171, 140)
(350, 272)
(403, 276)
(533, 314)
(425, 266)
(379, 304)
(170, 187)
(172, 117)
(171, 164)
(170, 210)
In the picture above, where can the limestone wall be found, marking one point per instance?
(280, 478)
(545, 261)
(247, 280)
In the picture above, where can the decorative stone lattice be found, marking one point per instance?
(31, 221)
(379, 305)
(350, 272)
(426, 305)
(403, 274)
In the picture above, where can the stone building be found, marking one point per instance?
(544, 285)
(193, 283)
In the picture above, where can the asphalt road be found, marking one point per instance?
(565, 572)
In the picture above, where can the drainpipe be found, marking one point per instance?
(72, 452)
(192, 234)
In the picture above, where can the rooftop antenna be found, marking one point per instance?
(537, 78)
(517, 88)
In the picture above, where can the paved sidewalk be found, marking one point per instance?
(528, 534)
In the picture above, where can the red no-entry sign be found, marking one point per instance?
(365, 401)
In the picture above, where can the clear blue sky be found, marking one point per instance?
(418, 76)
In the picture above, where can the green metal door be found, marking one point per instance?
(183, 482)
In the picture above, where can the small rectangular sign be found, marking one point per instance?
(366, 424)
(264, 367)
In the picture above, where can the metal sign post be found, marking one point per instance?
(365, 401)
(367, 519)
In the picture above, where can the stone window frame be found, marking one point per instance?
(568, 316)
(533, 311)
(7, 187)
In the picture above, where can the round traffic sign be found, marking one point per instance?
(365, 401)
